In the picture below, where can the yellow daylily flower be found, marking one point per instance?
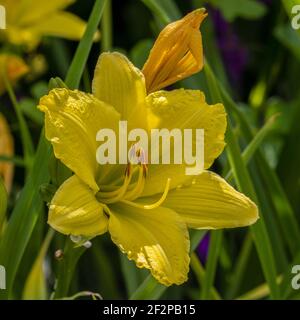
(177, 52)
(146, 210)
(6, 149)
(28, 20)
(13, 67)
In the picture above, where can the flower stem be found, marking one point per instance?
(201, 275)
(211, 266)
(106, 27)
(27, 143)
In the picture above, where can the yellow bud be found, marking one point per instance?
(177, 52)
(13, 67)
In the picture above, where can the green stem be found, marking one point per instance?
(15, 160)
(156, 7)
(241, 265)
(66, 269)
(27, 143)
(3, 204)
(259, 292)
(255, 143)
(211, 265)
(106, 27)
(201, 275)
(80, 59)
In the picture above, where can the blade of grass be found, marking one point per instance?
(130, 274)
(241, 265)
(158, 10)
(24, 217)
(255, 143)
(3, 204)
(36, 287)
(211, 264)
(259, 292)
(15, 160)
(201, 275)
(106, 27)
(27, 143)
(66, 268)
(79, 61)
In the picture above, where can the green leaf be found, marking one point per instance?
(158, 11)
(79, 61)
(140, 52)
(24, 217)
(35, 286)
(3, 204)
(200, 273)
(27, 143)
(290, 38)
(211, 264)
(28, 107)
(256, 142)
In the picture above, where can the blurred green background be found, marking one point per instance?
(255, 55)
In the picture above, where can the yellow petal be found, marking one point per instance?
(155, 239)
(75, 210)
(118, 82)
(187, 109)
(177, 52)
(62, 24)
(72, 121)
(211, 203)
(184, 109)
(30, 11)
(29, 20)
(13, 67)
(6, 149)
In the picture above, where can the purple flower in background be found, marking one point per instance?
(235, 55)
(203, 247)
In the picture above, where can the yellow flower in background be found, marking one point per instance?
(29, 20)
(146, 210)
(13, 67)
(177, 52)
(6, 149)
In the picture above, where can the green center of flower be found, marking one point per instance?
(133, 183)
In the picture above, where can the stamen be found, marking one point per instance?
(116, 195)
(154, 205)
(139, 187)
